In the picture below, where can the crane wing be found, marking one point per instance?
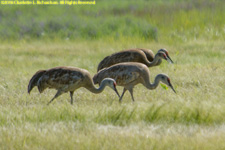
(126, 78)
(60, 79)
(120, 73)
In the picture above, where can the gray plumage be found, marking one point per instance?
(130, 74)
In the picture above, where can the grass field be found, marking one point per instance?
(194, 118)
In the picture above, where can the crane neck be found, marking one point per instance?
(159, 62)
(93, 89)
(155, 61)
(155, 84)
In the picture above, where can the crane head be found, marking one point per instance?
(167, 54)
(166, 80)
(112, 84)
(162, 55)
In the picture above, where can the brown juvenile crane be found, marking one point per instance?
(67, 79)
(144, 56)
(130, 74)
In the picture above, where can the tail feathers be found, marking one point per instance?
(34, 80)
(95, 79)
(103, 63)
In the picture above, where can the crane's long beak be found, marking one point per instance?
(116, 92)
(172, 87)
(169, 60)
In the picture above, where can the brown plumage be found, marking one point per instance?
(130, 74)
(140, 55)
(67, 79)
(149, 53)
(34, 80)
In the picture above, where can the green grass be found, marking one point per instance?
(159, 119)
(193, 33)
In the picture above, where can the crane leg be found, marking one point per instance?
(56, 95)
(71, 95)
(124, 90)
(131, 93)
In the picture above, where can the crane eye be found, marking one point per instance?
(114, 83)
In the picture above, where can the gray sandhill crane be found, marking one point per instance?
(135, 55)
(130, 74)
(67, 79)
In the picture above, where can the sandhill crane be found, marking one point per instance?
(67, 79)
(135, 55)
(130, 74)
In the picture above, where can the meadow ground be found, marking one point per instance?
(159, 119)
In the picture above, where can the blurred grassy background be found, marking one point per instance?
(164, 21)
